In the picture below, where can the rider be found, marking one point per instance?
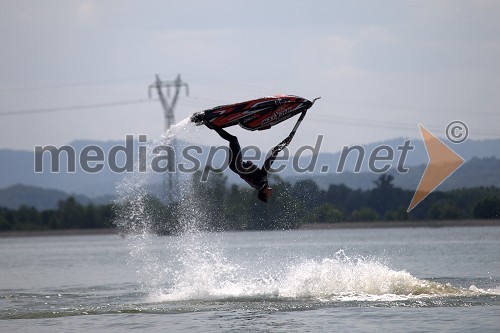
(249, 172)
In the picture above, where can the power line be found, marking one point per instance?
(233, 84)
(71, 84)
(193, 101)
(395, 106)
(74, 107)
(359, 122)
(243, 86)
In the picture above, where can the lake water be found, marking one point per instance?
(368, 280)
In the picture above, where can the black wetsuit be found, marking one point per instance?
(249, 172)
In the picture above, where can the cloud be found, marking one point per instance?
(88, 12)
(427, 53)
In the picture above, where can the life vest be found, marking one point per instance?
(254, 176)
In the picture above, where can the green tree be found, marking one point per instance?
(70, 215)
(365, 214)
(97, 216)
(487, 208)
(5, 224)
(445, 210)
(27, 218)
(383, 195)
(91, 218)
(282, 211)
(237, 212)
(346, 199)
(210, 199)
(105, 216)
(326, 213)
(307, 192)
(155, 215)
(399, 214)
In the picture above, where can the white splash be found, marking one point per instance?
(192, 266)
(211, 277)
(135, 217)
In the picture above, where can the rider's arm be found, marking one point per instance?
(269, 161)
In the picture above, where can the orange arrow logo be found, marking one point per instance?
(442, 163)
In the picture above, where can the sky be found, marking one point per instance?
(79, 69)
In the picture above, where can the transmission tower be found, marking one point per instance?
(168, 108)
(170, 178)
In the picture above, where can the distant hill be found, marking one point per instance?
(17, 167)
(42, 199)
(473, 173)
(418, 156)
(476, 172)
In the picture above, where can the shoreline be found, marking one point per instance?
(402, 224)
(58, 232)
(312, 226)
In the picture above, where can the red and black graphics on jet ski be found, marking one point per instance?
(258, 114)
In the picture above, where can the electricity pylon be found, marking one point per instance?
(170, 178)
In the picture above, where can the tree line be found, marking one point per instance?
(69, 214)
(220, 206)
